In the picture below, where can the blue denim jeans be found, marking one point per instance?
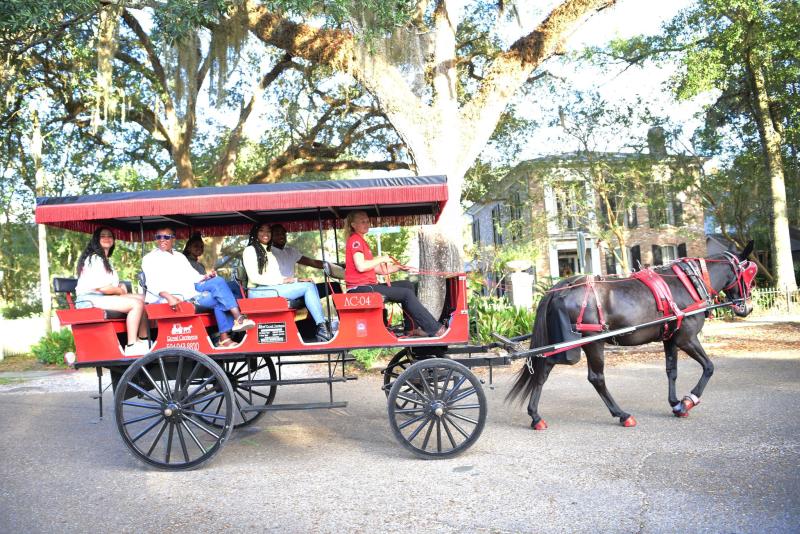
(307, 290)
(215, 293)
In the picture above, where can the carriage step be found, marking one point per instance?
(348, 359)
(298, 406)
(295, 381)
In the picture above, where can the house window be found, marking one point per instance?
(476, 231)
(515, 212)
(497, 228)
(636, 258)
(664, 254)
(611, 262)
(567, 210)
(665, 209)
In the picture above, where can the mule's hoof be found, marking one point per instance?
(629, 422)
(688, 403)
(541, 425)
(680, 413)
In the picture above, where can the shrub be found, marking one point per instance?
(493, 314)
(51, 348)
(367, 357)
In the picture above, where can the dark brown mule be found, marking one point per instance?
(625, 303)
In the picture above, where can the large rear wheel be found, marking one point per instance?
(437, 408)
(159, 407)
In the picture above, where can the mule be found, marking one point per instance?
(618, 303)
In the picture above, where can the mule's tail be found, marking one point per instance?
(523, 386)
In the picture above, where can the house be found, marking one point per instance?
(551, 202)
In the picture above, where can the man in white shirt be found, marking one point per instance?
(289, 256)
(170, 278)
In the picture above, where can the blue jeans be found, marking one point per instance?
(215, 293)
(307, 290)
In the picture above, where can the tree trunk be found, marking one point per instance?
(44, 265)
(771, 143)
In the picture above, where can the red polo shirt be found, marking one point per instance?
(356, 243)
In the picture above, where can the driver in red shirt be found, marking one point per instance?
(360, 275)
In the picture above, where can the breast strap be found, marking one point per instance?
(663, 295)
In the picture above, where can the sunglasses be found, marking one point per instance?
(164, 237)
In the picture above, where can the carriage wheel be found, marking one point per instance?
(445, 408)
(399, 363)
(158, 404)
(260, 368)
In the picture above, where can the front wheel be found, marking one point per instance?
(437, 408)
(159, 403)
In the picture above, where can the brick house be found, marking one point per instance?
(532, 204)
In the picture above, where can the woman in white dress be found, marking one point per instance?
(99, 287)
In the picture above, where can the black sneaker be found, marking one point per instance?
(323, 334)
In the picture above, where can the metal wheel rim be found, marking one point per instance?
(445, 413)
(399, 363)
(160, 422)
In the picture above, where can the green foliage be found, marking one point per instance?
(493, 314)
(394, 244)
(51, 348)
(366, 358)
(20, 310)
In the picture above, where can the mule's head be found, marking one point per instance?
(739, 282)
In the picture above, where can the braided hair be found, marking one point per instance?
(94, 248)
(252, 240)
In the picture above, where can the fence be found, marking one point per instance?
(771, 300)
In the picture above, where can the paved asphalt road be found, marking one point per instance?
(732, 466)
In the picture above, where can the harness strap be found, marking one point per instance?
(688, 284)
(580, 326)
(706, 277)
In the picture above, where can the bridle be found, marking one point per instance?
(744, 274)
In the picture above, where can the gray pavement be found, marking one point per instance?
(732, 466)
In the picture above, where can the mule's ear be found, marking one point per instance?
(747, 251)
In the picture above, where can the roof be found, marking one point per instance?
(232, 210)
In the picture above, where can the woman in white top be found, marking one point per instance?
(99, 286)
(264, 278)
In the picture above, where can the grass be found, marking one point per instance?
(23, 362)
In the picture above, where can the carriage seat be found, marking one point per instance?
(67, 287)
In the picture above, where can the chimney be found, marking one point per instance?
(656, 142)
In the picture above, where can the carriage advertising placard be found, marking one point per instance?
(272, 332)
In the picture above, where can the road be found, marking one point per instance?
(732, 466)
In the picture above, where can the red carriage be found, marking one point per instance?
(176, 406)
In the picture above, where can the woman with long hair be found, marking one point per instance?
(98, 286)
(360, 273)
(264, 278)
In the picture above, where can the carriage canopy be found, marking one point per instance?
(232, 210)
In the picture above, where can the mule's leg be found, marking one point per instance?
(596, 364)
(694, 349)
(671, 358)
(541, 370)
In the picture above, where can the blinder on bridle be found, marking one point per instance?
(745, 272)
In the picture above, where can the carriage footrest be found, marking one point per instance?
(295, 381)
(298, 406)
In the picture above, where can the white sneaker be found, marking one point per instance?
(242, 324)
(139, 348)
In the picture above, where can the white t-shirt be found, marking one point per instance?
(287, 258)
(94, 276)
(270, 277)
(169, 272)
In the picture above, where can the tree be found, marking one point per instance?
(748, 51)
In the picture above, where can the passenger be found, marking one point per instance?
(171, 279)
(193, 249)
(288, 256)
(360, 276)
(264, 278)
(98, 285)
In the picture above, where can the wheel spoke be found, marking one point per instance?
(411, 421)
(456, 426)
(461, 417)
(463, 395)
(464, 407)
(417, 391)
(435, 372)
(169, 442)
(254, 392)
(142, 405)
(145, 393)
(425, 384)
(194, 438)
(155, 386)
(197, 401)
(446, 380)
(142, 418)
(205, 414)
(165, 382)
(183, 444)
(409, 410)
(158, 437)
(188, 382)
(427, 437)
(178, 374)
(203, 428)
(410, 399)
(202, 385)
(146, 430)
(449, 434)
(420, 427)
(456, 387)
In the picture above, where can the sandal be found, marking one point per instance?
(226, 343)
